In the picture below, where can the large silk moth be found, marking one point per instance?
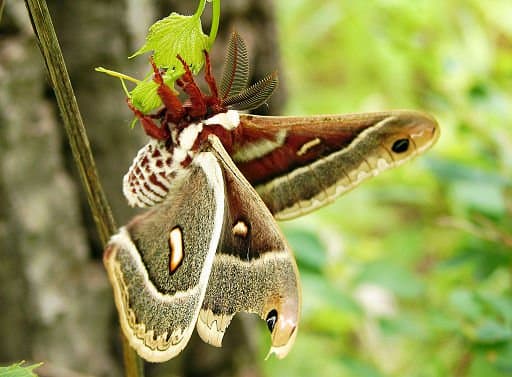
(216, 180)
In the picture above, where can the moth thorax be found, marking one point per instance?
(188, 136)
(228, 120)
(176, 252)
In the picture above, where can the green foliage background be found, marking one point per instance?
(408, 275)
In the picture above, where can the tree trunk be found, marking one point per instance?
(55, 301)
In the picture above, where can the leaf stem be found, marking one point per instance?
(215, 22)
(215, 18)
(200, 8)
(77, 138)
(119, 75)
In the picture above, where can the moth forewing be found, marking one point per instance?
(254, 269)
(158, 297)
(302, 163)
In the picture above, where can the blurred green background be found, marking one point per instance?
(408, 275)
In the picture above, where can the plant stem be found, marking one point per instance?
(215, 22)
(119, 75)
(200, 8)
(215, 18)
(77, 138)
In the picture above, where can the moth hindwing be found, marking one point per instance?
(254, 269)
(209, 250)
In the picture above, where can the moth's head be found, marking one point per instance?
(282, 321)
(405, 135)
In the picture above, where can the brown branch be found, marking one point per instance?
(77, 138)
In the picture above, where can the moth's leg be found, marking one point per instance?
(151, 129)
(197, 100)
(170, 100)
(213, 101)
(208, 76)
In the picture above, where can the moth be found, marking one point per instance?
(215, 181)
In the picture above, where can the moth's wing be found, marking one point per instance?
(254, 269)
(159, 264)
(150, 176)
(298, 164)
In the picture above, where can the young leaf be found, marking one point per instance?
(17, 370)
(173, 35)
(144, 96)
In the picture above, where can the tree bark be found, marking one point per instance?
(55, 301)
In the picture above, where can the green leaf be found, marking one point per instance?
(325, 296)
(173, 35)
(483, 365)
(17, 370)
(144, 96)
(360, 368)
(167, 38)
(504, 358)
(481, 196)
(309, 250)
(465, 303)
(392, 277)
(491, 332)
(499, 304)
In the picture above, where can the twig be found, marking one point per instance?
(77, 138)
